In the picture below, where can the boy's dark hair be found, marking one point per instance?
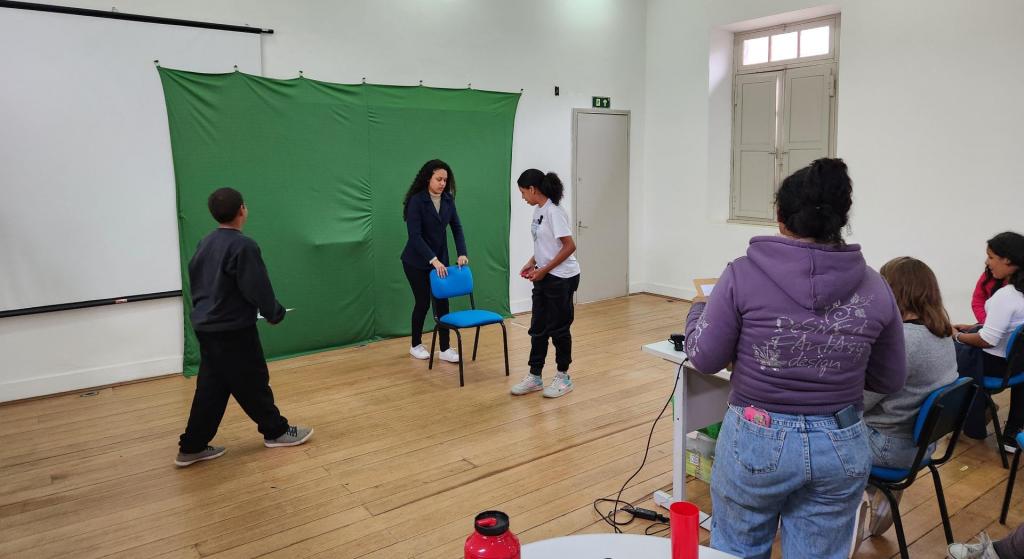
(224, 204)
(815, 201)
(548, 184)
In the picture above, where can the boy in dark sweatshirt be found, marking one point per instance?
(229, 286)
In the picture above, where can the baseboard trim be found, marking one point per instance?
(84, 379)
(685, 294)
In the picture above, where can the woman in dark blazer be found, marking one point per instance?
(429, 209)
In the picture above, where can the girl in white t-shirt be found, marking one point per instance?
(1004, 312)
(556, 276)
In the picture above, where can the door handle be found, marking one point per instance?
(579, 225)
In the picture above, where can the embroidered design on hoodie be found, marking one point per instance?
(792, 347)
(691, 342)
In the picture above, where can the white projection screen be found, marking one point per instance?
(87, 197)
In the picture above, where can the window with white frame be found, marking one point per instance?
(784, 100)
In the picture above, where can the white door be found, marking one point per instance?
(806, 117)
(755, 144)
(601, 197)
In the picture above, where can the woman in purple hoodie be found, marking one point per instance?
(808, 326)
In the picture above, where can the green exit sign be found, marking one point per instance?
(601, 102)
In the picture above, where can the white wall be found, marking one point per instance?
(586, 47)
(63, 351)
(928, 120)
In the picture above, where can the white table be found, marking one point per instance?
(700, 400)
(610, 546)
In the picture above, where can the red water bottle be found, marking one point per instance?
(491, 538)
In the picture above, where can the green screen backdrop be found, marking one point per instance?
(323, 169)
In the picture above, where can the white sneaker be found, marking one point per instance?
(419, 352)
(560, 386)
(860, 523)
(449, 355)
(981, 550)
(530, 383)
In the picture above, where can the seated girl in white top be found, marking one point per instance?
(1004, 312)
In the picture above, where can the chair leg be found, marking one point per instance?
(997, 429)
(941, 497)
(433, 342)
(458, 336)
(476, 342)
(1009, 486)
(504, 342)
(897, 521)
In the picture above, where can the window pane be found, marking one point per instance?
(784, 46)
(755, 51)
(814, 41)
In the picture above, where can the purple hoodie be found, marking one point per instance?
(808, 328)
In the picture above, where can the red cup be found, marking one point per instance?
(684, 521)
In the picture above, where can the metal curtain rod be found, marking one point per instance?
(131, 17)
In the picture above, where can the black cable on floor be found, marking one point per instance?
(618, 505)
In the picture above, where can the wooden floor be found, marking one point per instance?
(401, 461)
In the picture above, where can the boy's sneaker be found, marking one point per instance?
(208, 453)
(419, 352)
(449, 355)
(981, 550)
(294, 436)
(530, 383)
(560, 386)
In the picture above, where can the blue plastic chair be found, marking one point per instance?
(1014, 362)
(460, 283)
(994, 385)
(942, 413)
(1012, 478)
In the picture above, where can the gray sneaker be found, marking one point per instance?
(208, 453)
(294, 436)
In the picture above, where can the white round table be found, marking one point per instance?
(610, 546)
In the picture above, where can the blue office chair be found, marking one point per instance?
(942, 413)
(459, 283)
(994, 385)
(1012, 478)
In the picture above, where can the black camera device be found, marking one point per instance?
(677, 341)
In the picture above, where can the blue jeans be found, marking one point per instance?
(892, 452)
(803, 471)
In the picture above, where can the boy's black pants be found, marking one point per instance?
(552, 316)
(231, 364)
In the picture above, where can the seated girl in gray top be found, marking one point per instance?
(931, 362)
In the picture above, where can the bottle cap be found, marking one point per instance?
(491, 523)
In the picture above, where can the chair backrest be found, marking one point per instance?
(944, 411)
(1015, 352)
(458, 283)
